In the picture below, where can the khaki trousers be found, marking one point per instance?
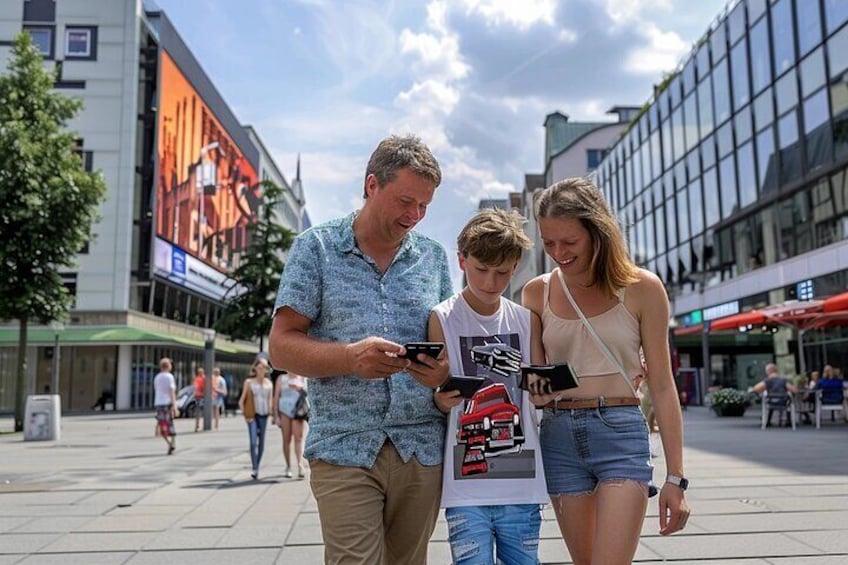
(383, 515)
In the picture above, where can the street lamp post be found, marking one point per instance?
(208, 365)
(57, 327)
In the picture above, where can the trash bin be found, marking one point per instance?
(42, 418)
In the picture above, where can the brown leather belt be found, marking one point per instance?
(578, 403)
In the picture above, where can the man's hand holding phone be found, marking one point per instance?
(375, 358)
(429, 364)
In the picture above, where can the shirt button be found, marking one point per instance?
(386, 329)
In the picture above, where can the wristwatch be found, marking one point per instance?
(680, 482)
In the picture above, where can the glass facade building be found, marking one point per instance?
(739, 163)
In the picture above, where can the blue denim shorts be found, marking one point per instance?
(586, 446)
(479, 534)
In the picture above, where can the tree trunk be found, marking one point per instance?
(21, 388)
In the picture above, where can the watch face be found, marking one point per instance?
(684, 483)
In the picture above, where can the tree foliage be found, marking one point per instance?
(47, 200)
(257, 278)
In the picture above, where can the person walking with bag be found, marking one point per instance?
(287, 395)
(598, 311)
(255, 404)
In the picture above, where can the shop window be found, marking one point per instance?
(81, 43)
(43, 38)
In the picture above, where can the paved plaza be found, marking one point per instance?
(107, 493)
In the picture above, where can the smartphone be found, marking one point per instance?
(546, 379)
(466, 386)
(431, 348)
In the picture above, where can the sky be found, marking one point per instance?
(328, 79)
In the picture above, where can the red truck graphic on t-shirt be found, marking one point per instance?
(491, 421)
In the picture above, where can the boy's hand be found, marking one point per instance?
(428, 371)
(446, 400)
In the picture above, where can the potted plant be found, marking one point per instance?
(730, 402)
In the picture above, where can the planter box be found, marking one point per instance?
(734, 411)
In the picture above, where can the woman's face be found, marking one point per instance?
(568, 243)
(261, 369)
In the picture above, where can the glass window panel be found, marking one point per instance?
(708, 152)
(671, 225)
(659, 217)
(703, 60)
(684, 263)
(790, 153)
(837, 52)
(817, 133)
(760, 58)
(682, 215)
(42, 38)
(693, 164)
(674, 95)
(736, 23)
(690, 118)
(671, 266)
(766, 161)
(756, 8)
(705, 106)
(718, 42)
(724, 138)
(835, 14)
(746, 173)
(809, 25)
(763, 110)
(645, 153)
(668, 184)
(656, 154)
(689, 80)
(784, 44)
(666, 144)
(654, 113)
(742, 125)
(812, 72)
(839, 185)
(663, 104)
(680, 175)
(839, 107)
(712, 212)
(727, 174)
(739, 72)
(696, 207)
(786, 91)
(650, 246)
(721, 92)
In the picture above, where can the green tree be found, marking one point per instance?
(47, 200)
(257, 278)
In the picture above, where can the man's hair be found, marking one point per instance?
(611, 267)
(165, 364)
(400, 152)
(493, 236)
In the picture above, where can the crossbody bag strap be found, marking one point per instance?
(606, 351)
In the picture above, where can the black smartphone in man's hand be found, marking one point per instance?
(466, 386)
(431, 348)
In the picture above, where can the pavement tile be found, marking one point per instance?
(91, 542)
(727, 546)
(182, 539)
(788, 522)
(208, 557)
(10, 559)
(10, 523)
(54, 524)
(25, 543)
(833, 541)
(255, 536)
(128, 524)
(94, 558)
(301, 554)
(818, 560)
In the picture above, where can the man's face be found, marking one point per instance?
(400, 204)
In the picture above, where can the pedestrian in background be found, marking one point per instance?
(255, 404)
(287, 394)
(353, 292)
(165, 402)
(598, 312)
(199, 389)
(219, 395)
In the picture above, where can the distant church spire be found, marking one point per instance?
(297, 177)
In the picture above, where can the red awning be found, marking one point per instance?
(689, 330)
(736, 321)
(836, 303)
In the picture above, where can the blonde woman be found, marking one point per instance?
(255, 404)
(286, 395)
(600, 312)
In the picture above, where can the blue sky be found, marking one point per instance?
(473, 78)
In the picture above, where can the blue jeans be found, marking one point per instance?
(256, 431)
(472, 531)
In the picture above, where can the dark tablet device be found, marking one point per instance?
(546, 379)
(431, 348)
(466, 386)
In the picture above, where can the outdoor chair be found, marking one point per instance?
(783, 404)
(830, 396)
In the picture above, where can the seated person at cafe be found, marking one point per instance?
(778, 388)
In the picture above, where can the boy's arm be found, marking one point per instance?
(444, 400)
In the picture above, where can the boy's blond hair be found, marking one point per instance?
(493, 236)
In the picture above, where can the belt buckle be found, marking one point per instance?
(602, 402)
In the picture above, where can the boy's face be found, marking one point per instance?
(486, 282)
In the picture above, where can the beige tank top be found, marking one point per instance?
(568, 339)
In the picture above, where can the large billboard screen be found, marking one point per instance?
(207, 191)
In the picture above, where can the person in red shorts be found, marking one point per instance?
(165, 402)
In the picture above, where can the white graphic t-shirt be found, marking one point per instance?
(492, 454)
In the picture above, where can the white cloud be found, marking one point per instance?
(522, 14)
(662, 53)
(631, 11)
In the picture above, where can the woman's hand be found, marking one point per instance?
(673, 509)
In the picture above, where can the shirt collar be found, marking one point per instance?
(347, 239)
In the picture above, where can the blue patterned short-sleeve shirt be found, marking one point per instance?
(331, 282)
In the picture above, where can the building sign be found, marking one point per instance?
(721, 310)
(174, 264)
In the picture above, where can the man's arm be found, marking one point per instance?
(174, 410)
(292, 349)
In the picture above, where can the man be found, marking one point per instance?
(199, 386)
(165, 402)
(778, 389)
(354, 290)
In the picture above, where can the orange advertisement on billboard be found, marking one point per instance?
(207, 191)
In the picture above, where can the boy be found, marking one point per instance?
(493, 481)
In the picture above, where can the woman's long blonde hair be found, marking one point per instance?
(611, 267)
